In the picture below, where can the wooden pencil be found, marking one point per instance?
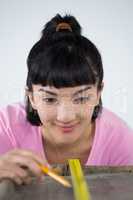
(54, 175)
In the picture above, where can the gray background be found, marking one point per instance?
(109, 24)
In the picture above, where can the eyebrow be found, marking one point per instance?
(75, 93)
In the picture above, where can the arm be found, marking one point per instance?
(16, 164)
(20, 166)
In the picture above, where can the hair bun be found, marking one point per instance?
(59, 27)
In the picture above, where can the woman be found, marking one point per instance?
(63, 116)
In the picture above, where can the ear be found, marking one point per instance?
(29, 94)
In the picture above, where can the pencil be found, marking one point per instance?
(54, 175)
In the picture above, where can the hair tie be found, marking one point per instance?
(63, 25)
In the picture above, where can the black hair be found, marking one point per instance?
(63, 58)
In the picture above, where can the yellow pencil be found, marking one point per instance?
(54, 175)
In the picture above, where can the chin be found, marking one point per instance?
(67, 140)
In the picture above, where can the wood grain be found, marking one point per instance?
(105, 183)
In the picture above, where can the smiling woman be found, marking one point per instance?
(63, 116)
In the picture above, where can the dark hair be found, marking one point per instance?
(63, 58)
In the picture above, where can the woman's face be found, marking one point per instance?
(65, 113)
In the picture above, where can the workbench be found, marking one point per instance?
(104, 183)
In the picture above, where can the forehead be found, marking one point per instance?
(64, 91)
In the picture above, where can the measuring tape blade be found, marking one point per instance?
(81, 190)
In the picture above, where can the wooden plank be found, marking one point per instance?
(64, 169)
(45, 190)
(103, 185)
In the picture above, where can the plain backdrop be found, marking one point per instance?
(109, 24)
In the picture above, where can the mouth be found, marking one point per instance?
(68, 128)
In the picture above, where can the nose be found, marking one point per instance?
(66, 113)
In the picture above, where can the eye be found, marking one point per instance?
(50, 100)
(81, 100)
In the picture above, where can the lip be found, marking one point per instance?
(67, 129)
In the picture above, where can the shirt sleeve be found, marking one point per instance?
(7, 139)
(122, 147)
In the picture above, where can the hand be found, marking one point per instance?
(20, 165)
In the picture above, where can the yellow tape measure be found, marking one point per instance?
(81, 190)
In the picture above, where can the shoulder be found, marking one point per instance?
(113, 131)
(12, 125)
(15, 130)
(111, 121)
(13, 119)
(115, 136)
(12, 114)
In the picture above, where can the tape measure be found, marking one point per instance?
(80, 187)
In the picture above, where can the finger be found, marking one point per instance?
(27, 181)
(6, 174)
(26, 159)
(26, 163)
(15, 171)
(17, 180)
(37, 158)
(13, 167)
(33, 155)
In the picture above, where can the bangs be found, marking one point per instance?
(62, 67)
(62, 58)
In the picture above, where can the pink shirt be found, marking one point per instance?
(112, 145)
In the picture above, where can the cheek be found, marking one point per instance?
(46, 115)
(86, 111)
